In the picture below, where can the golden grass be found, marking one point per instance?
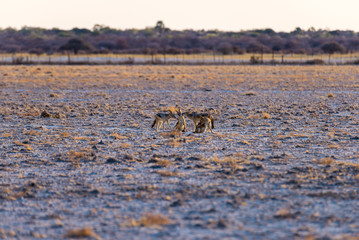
(355, 165)
(6, 135)
(117, 136)
(266, 115)
(72, 77)
(325, 161)
(166, 173)
(151, 220)
(125, 145)
(173, 143)
(32, 132)
(65, 134)
(75, 156)
(163, 163)
(233, 163)
(85, 232)
(171, 134)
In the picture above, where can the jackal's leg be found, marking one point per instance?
(154, 123)
(210, 128)
(184, 126)
(195, 125)
(168, 123)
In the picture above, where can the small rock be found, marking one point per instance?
(221, 223)
(178, 159)
(111, 160)
(177, 203)
(194, 158)
(128, 157)
(45, 114)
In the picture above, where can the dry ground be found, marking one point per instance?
(283, 162)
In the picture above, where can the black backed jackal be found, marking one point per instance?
(181, 123)
(196, 118)
(161, 119)
(204, 124)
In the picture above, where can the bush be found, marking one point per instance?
(76, 45)
(254, 60)
(315, 62)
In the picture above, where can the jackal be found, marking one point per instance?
(196, 117)
(204, 124)
(181, 123)
(161, 119)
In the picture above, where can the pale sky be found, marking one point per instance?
(226, 15)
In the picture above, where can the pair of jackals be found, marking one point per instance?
(202, 121)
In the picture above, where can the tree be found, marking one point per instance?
(160, 27)
(297, 31)
(121, 43)
(225, 48)
(76, 44)
(332, 47)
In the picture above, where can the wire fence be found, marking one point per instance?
(192, 59)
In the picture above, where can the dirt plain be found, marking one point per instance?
(282, 163)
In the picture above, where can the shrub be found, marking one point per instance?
(315, 62)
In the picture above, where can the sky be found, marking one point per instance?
(225, 15)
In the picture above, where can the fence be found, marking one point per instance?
(193, 59)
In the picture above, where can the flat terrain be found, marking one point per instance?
(282, 163)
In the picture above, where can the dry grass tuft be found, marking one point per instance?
(151, 220)
(173, 143)
(125, 145)
(117, 136)
(6, 135)
(172, 134)
(163, 163)
(165, 173)
(249, 94)
(76, 156)
(354, 165)
(325, 161)
(65, 134)
(266, 115)
(82, 233)
(32, 132)
(285, 213)
(72, 154)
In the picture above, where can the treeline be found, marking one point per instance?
(162, 40)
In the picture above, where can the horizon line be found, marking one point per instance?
(173, 29)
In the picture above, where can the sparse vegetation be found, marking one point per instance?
(159, 41)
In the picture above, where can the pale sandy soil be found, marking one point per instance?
(282, 163)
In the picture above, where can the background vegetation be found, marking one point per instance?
(162, 40)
